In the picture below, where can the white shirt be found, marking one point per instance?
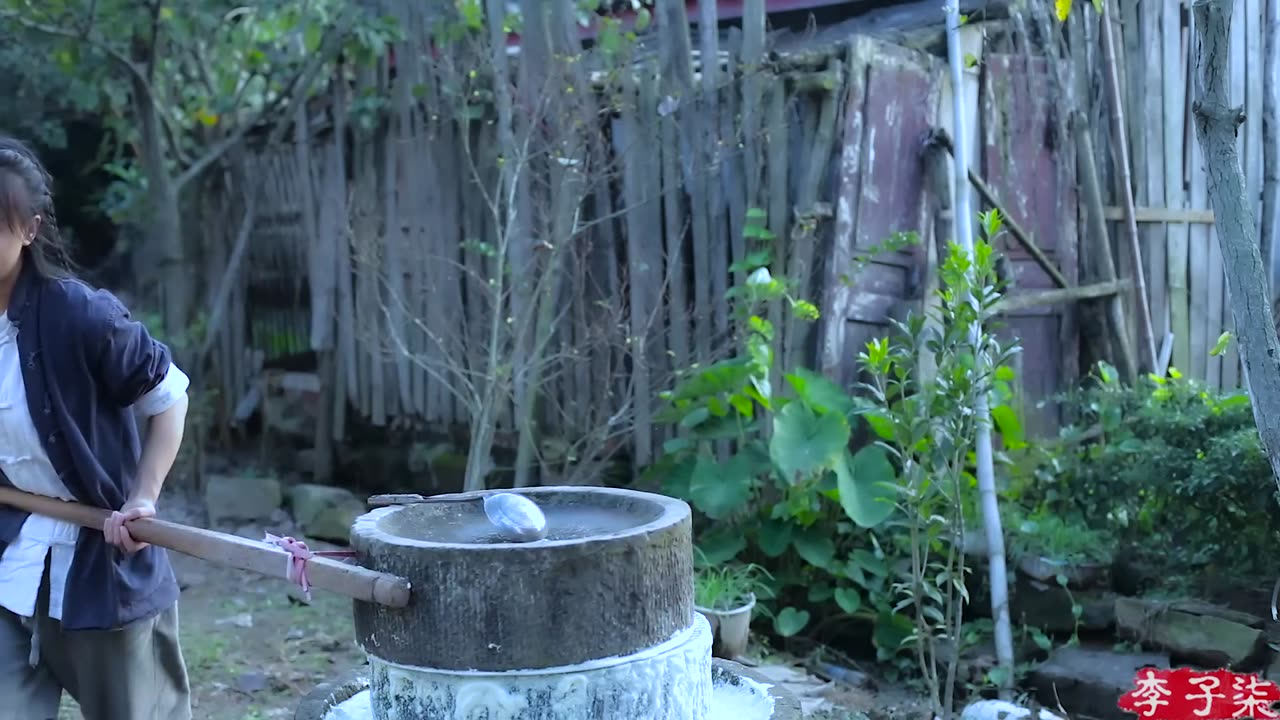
(27, 466)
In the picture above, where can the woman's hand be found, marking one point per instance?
(115, 531)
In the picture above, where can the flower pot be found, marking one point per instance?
(730, 628)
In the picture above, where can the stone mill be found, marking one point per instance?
(595, 621)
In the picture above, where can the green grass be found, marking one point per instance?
(729, 586)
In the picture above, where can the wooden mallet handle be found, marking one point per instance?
(352, 581)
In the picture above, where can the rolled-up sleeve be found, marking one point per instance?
(132, 366)
(166, 394)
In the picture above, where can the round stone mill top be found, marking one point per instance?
(613, 576)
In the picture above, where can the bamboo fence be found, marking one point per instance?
(1183, 262)
(825, 136)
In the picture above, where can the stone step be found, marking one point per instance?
(1090, 680)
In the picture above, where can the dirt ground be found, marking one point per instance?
(252, 652)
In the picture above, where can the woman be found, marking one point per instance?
(94, 613)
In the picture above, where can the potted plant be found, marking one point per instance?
(726, 597)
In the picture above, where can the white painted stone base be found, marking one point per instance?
(1002, 710)
(669, 682)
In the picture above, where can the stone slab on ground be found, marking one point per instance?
(1089, 681)
(1201, 633)
(1076, 574)
(325, 512)
(234, 499)
(808, 689)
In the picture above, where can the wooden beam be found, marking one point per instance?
(1093, 291)
(988, 196)
(1162, 215)
(1187, 216)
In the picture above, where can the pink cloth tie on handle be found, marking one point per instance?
(296, 557)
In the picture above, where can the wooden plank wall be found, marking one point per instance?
(1030, 168)
(1183, 263)
(1009, 131)
(894, 102)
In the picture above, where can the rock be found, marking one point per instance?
(1090, 681)
(249, 531)
(1198, 607)
(1099, 611)
(282, 524)
(808, 688)
(242, 620)
(229, 499)
(1078, 575)
(1198, 632)
(846, 676)
(252, 682)
(1049, 606)
(325, 512)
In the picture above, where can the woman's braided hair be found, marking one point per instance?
(25, 192)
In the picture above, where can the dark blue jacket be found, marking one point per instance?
(84, 362)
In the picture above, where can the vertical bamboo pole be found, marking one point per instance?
(1126, 192)
(985, 461)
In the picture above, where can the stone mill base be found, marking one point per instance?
(737, 694)
(671, 681)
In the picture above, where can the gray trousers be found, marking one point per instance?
(134, 673)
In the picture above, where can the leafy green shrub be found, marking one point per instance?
(851, 500)
(1042, 532)
(787, 492)
(1168, 466)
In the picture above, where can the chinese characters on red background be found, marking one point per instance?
(1187, 694)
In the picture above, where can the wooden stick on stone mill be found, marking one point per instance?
(352, 581)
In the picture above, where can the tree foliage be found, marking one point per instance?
(214, 70)
(37, 95)
(179, 84)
